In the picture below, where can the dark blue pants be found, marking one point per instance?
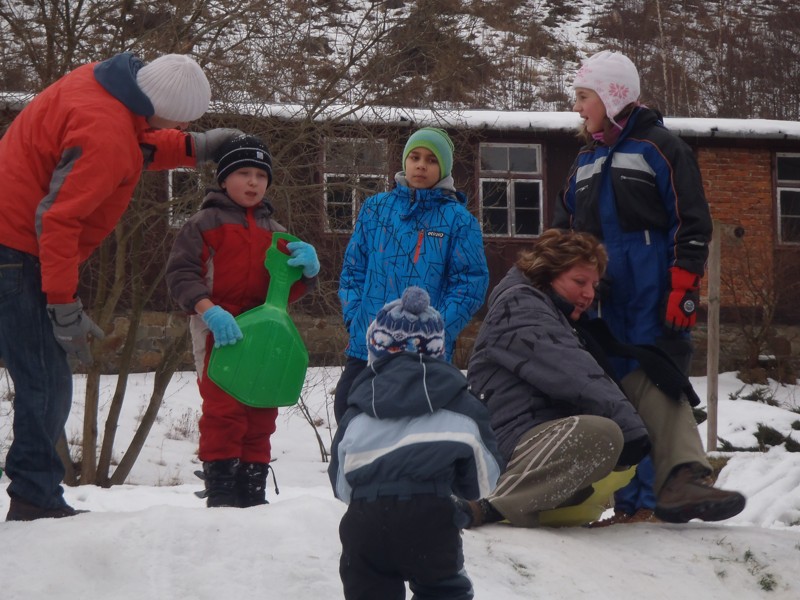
(388, 541)
(42, 382)
(639, 492)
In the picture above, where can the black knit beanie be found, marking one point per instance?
(243, 151)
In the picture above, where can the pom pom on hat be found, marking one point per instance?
(243, 151)
(409, 324)
(437, 141)
(613, 77)
(176, 86)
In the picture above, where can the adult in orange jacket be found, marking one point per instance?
(72, 159)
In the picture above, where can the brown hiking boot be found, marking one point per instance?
(689, 494)
(20, 510)
(643, 515)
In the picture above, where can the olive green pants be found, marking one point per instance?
(555, 461)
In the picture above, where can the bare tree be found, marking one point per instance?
(237, 42)
(753, 288)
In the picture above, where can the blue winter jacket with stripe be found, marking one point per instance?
(412, 427)
(643, 196)
(405, 237)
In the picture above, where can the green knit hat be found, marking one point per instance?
(438, 142)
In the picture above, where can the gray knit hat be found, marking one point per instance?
(176, 86)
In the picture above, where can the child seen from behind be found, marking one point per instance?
(412, 437)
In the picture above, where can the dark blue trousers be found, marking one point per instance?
(389, 540)
(42, 382)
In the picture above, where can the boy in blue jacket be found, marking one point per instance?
(413, 436)
(422, 234)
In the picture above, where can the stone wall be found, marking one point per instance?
(326, 339)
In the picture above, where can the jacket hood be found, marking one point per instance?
(406, 385)
(447, 184)
(516, 277)
(410, 199)
(216, 198)
(512, 278)
(117, 76)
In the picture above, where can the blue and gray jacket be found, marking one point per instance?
(412, 427)
(405, 237)
(643, 196)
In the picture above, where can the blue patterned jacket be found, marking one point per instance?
(406, 237)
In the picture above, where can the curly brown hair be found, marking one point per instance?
(557, 251)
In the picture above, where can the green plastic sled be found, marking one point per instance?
(268, 366)
(590, 509)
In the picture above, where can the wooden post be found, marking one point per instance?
(712, 364)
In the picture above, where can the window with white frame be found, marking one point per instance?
(788, 198)
(185, 195)
(355, 168)
(511, 189)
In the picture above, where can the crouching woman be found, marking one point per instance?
(562, 420)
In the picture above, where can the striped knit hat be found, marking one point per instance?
(409, 324)
(243, 151)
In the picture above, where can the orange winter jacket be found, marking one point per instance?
(71, 160)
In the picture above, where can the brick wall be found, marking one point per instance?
(739, 189)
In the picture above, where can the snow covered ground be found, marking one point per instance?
(152, 538)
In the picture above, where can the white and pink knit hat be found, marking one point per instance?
(613, 77)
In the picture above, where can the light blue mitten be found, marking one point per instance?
(223, 326)
(303, 255)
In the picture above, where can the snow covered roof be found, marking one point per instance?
(528, 120)
(484, 119)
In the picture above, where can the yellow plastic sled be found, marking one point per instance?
(590, 509)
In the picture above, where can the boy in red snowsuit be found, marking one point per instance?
(215, 272)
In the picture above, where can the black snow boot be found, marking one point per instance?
(220, 478)
(251, 484)
(475, 513)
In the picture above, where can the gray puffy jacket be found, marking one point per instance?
(529, 367)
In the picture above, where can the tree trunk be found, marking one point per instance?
(171, 360)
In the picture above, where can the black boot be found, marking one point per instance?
(251, 484)
(220, 477)
(21, 510)
(476, 512)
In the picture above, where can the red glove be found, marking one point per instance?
(682, 299)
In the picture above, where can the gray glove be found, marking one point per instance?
(70, 326)
(206, 145)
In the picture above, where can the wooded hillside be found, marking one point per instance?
(698, 58)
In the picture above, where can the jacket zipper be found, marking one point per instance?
(419, 245)
(645, 181)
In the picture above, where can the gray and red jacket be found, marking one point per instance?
(219, 254)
